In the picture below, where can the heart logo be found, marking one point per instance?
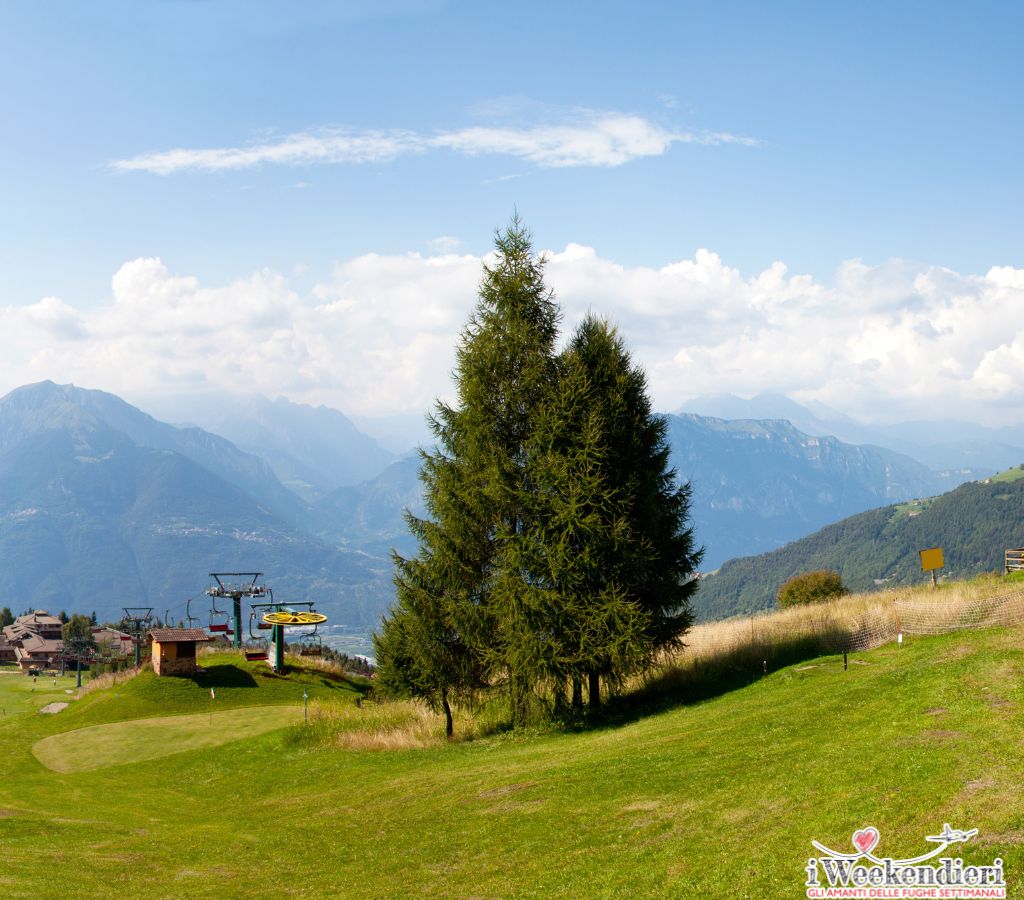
(865, 839)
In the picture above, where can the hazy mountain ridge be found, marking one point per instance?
(91, 519)
(939, 444)
(760, 484)
(372, 515)
(312, 450)
(45, 405)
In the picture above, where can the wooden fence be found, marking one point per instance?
(1013, 561)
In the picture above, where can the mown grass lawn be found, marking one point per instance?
(119, 743)
(719, 799)
(20, 693)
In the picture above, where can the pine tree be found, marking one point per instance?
(555, 548)
(459, 615)
(658, 560)
(633, 563)
(579, 616)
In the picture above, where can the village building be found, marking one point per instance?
(37, 652)
(111, 642)
(33, 641)
(39, 622)
(6, 649)
(174, 650)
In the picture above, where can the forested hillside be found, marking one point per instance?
(973, 524)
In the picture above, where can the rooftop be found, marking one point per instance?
(177, 635)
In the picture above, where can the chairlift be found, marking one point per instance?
(259, 653)
(216, 625)
(190, 619)
(259, 650)
(311, 645)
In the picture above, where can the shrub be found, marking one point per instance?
(811, 587)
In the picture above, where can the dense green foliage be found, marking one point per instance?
(973, 524)
(607, 544)
(810, 587)
(554, 548)
(76, 633)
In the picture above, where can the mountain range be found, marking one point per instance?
(939, 444)
(103, 505)
(312, 450)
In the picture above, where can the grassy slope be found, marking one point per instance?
(719, 799)
(1014, 474)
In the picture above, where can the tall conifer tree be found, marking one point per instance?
(475, 479)
(610, 551)
(556, 547)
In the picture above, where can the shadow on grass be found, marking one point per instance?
(691, 681)
(223, 676)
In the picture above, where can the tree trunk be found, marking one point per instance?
(449, 728)
(519, 690)
(577, 694)
(559, 697)
(595, 690)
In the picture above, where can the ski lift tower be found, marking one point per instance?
(137, 619)
(236, 585)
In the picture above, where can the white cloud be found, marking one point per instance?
(889, 341)
(584, 138)
(301, 149)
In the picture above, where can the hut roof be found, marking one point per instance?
(177, 635)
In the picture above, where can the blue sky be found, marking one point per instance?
(288, 142)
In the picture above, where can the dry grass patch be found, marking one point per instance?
(505, 790)
(745, 647)
(110, 679)
(399, 725)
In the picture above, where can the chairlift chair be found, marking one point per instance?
(312, 645)
(217, 626)
(259, 653)
(259, 650)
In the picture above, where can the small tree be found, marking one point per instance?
(6, 617)
(77, 629)
(421, 650)
(77, 636)
(811, 587)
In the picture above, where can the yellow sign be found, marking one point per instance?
(294, 618)
(931, 559)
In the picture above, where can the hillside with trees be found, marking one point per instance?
(973, 524)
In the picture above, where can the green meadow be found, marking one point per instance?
(150, 787)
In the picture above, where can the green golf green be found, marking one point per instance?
(118, 743)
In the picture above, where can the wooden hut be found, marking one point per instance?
(174, 649)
